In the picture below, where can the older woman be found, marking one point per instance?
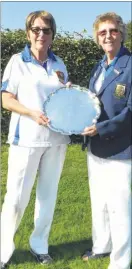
(30, 76)
(109, 155)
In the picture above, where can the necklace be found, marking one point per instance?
(42, 62)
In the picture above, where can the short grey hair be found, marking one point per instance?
(109, 16)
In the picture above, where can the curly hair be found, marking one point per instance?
(109, 16)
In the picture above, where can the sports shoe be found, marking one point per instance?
(91, 255)
(42, 258)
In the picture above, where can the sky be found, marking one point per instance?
(69, 16)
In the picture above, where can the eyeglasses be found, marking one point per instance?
(113, 31)
(37, 30)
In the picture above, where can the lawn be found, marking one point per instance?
(70, 235)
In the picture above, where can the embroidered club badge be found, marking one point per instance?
(120, 90)
(60, 76)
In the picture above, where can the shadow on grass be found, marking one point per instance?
(66, 251)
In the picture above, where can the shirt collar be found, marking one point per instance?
(27, 57)
(103, 62)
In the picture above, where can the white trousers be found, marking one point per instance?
(110, 191)
(23, 164)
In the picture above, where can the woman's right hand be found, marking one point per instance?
(39, 117)
(10, 102)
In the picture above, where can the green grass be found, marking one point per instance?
(70, 234)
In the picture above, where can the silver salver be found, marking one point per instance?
(72, 109)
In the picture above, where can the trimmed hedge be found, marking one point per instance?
(79, 55)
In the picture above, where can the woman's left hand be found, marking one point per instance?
(91, 131)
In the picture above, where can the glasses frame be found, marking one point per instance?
(36, 30)
(112, 31)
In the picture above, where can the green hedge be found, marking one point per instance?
(79, 55)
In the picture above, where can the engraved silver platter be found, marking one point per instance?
(71, 109)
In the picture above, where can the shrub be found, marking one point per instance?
(79, 55)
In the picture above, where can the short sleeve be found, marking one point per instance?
(11, 76)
